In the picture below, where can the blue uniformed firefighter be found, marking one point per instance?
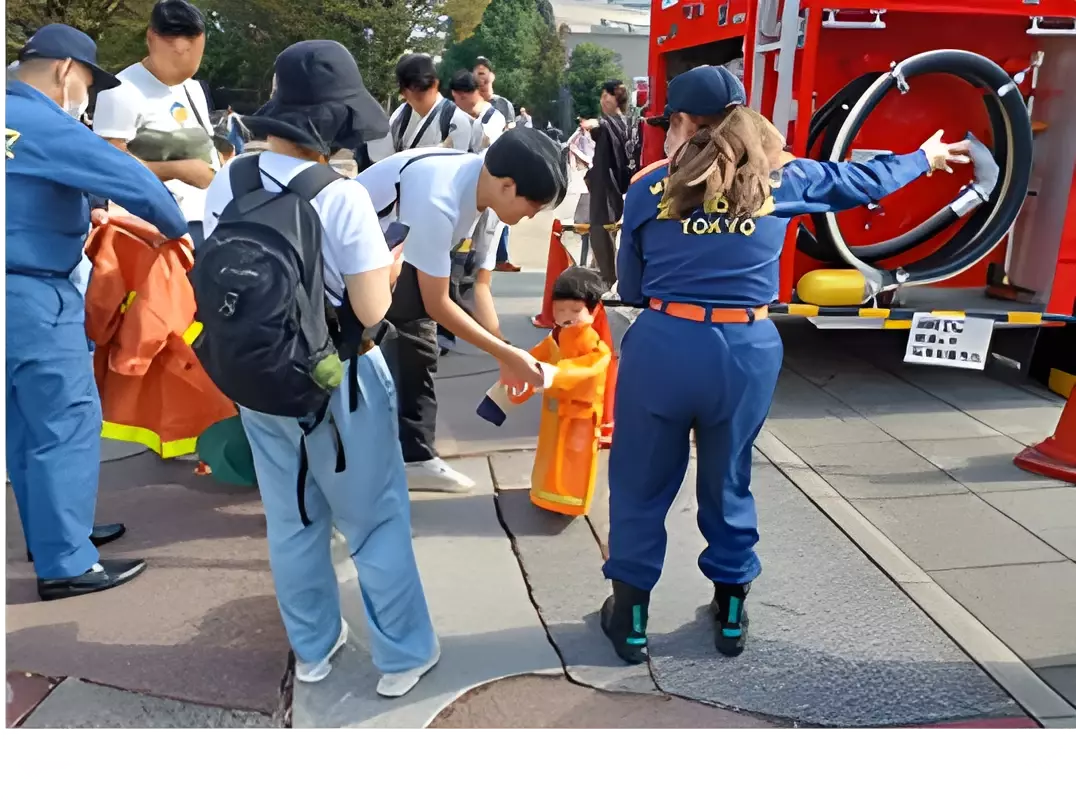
(53, 410)
(701, 244)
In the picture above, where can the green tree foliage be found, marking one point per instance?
(527, 54)
(590, 66)
(244, 37)
(98, 18)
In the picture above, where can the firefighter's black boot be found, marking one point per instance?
(730, 617)
(623, 618)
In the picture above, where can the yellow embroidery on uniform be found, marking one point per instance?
(657, 188)
(716, 205)
(663, 209)
(10, 137)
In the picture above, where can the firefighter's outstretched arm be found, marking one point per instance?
(803, 186)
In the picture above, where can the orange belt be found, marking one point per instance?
(717, 315)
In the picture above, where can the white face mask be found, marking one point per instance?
(76, 108)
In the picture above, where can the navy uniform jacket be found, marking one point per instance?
(53, 162)
(713, 259)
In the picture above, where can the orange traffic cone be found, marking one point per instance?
(557, 261)
(1055, 457)
(601, 326)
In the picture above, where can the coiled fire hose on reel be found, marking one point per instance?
(990, 203)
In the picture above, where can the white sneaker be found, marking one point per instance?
(312, 673)
(397, 684)
(436, 476)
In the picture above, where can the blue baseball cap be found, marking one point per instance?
(61, 42)
(703, 91)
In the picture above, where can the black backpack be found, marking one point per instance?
(445, 114)
(260, 292)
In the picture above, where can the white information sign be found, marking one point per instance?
(942, 341)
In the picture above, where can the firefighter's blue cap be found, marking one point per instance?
(703, 91)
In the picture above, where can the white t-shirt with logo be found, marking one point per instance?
(460, 131)
(352, 242)
(438, 201)
(142, 101)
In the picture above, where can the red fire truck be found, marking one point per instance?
(846, 79)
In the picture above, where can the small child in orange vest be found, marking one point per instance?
(579, 351)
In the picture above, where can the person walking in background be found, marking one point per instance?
(609, 176)
(524, 118)
(159, 93)
(53, 410)
(483, 73)
(489, 123)
(426, 118)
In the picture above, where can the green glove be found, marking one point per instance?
(329, 372)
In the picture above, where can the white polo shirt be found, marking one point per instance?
(352, 242)
(438, 201)
(142, 101)
(460, 131)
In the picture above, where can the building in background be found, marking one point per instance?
(623, 27)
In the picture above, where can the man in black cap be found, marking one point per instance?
(350, 460)
(440, 195)
(53, 410)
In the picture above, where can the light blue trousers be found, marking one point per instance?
(367, 502)
(53, 423)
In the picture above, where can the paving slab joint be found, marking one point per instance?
(537, 608)
(980, 644)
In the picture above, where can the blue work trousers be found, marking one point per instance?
(367, 502)
(502, 246)
(53, 423)
(677, 375)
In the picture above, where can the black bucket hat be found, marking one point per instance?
(320, 101)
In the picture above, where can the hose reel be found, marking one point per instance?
(989, 204)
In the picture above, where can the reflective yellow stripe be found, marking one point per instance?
(192, 332)
(130, 298)
(465, 246)
(149, 439)
(802, 310)
(897, 324)
(557, 498)
(1025, 317)
(874, 313)
(1062, 382)
(957, 314)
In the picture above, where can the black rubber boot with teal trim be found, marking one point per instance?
(623, 618)
(730, 617)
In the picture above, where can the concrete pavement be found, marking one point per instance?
(883, 495)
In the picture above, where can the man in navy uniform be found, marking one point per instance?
(53, 411)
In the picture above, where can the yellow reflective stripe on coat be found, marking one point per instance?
(192, 332)
(148, 439)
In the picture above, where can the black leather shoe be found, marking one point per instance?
(106, 574)
(101, 534)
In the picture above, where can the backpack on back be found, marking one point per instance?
(446, 110)
(258, 281)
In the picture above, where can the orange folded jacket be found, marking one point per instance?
(140, 315)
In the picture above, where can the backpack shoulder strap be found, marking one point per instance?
(309, 183)
(245, 175)
(488, 115)
(400, 128)
(447, 113)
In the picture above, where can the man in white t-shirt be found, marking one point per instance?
(440, 195)
(320, 106)
(489, 123)
(426, 118)
(159, 93)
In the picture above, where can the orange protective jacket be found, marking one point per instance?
(566, 461)
(140, 315)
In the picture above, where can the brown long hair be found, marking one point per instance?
(731, 156)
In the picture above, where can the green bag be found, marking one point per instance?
(224, 448)
(179, 145)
